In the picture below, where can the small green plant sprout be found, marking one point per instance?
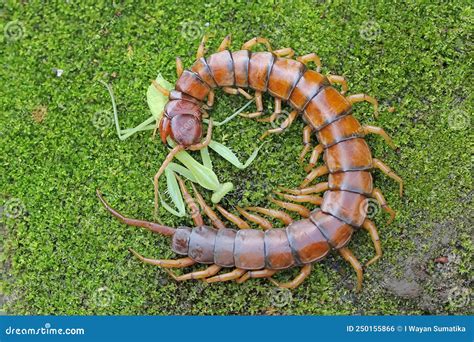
(194, 171)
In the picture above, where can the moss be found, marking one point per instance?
(65, 255)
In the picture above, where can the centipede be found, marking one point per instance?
(245, 253)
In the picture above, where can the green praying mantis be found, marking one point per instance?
(191, 169)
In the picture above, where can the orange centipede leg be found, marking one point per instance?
(161, 89)
(259, 104)
(304, 273)
(265, 273)
(225, 43)
(317, 200)
(216, 222)
(275, 113)
(192, 206)
(233, 218)
(377, 194)
(320, 171)
(210, 98)
(285, 52)
(208, 272)
(311, 57)
(257, 40)
(314, 157)
(278, 214)
(178, 263)
(284, 125)
(385, 169)
(320, 187)
(237, 91)
(202, 48)
(372, 229)
(235, 274)
(364, 98)
(300, 209)
(179, 67)
(263, 223)
(349, 257)
(341, 80)
(380, 131)
(307, 130)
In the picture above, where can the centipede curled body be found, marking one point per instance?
(327, 112)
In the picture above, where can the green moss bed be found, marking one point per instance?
(62, 253)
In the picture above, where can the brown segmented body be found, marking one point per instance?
(346, 156)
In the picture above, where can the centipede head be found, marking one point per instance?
(182, 120)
